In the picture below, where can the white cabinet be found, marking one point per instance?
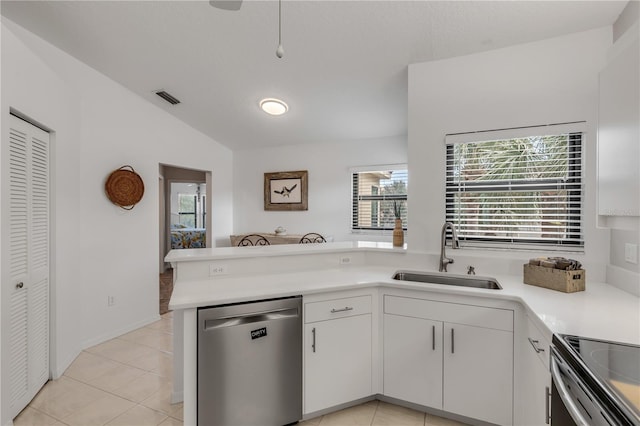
(413, 360)
(337, 352)
(535, 384)
(453, 357)
(478, 373)
(619, 132)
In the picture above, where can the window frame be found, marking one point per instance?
(185, 213)
(573, 185)
(356, 198)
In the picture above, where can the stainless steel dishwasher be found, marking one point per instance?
(250, 363)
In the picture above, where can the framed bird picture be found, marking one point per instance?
(285, 191)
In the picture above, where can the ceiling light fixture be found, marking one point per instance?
(273, 106)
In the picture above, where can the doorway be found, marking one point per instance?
(185, 219)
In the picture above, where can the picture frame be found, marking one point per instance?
(286, 191)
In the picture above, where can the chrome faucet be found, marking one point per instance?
(444, 260)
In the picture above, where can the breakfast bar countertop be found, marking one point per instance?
(601, 311)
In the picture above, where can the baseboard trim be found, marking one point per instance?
(177, 397)
(118, 332)
(58, 370)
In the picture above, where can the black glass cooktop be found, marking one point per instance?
(616, 366)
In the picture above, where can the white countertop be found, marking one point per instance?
(601, 311)
(190, 255)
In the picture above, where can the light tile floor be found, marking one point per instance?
(126, 381)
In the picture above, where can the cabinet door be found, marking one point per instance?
(413, 360)
(478, 371)
(531, 405)
(533, 409)
(337, 357)
(618, 124)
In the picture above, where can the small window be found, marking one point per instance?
(187, 212)
(375, 192)
(519, 191)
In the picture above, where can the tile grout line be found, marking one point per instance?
(61, 420)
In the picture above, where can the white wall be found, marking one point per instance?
(46, 98)
(550, 81)
(100, 249)
(329, 185)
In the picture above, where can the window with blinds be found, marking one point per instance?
(378, 194)
(519, 191)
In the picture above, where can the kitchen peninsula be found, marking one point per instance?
(358, 275)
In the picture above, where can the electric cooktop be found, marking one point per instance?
(614, 366)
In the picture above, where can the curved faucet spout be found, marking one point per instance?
(455, 244)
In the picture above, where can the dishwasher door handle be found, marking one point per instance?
(251, 317)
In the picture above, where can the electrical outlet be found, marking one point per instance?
(345, 260)
(111, 300)
(631, 253)
(215, 269)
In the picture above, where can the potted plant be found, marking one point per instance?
(398, 232)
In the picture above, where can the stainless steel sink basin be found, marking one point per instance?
(426, 277)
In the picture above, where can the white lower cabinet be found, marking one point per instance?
(532, 408)
(478, 373)
(413, 360)
(453, 357)
(337, 352)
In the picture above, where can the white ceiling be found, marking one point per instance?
(344, 71)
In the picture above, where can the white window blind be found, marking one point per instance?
(523, 191)
(376, 191)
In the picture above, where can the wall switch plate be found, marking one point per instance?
(215, 269)
(345, 260)
(111, 300)
(631, 253)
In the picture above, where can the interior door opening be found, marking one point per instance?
(185, 218)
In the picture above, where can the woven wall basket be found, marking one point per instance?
(124, 187)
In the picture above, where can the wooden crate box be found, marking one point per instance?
(555, 279)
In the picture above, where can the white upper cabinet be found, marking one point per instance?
(618, 131)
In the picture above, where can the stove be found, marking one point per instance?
(600, 378)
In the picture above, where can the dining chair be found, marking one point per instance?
(253, 240)
(312, 237)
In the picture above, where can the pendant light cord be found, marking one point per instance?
(279, 22)
(280, 49)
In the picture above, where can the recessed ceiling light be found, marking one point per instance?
(273, 106)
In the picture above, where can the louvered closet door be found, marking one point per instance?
(28, 267)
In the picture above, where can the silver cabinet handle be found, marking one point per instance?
(534, 343)
(452, 341)
(547, 406)
(19, 285)
(433, 337)
(313, 341)
(345, 309)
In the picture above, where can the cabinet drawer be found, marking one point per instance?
(337, 308)
(478, 316)
(537, 342)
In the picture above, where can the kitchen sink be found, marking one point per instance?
(457, 280)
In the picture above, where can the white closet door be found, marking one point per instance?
(28, 284)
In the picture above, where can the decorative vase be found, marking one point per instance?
(398, 234)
